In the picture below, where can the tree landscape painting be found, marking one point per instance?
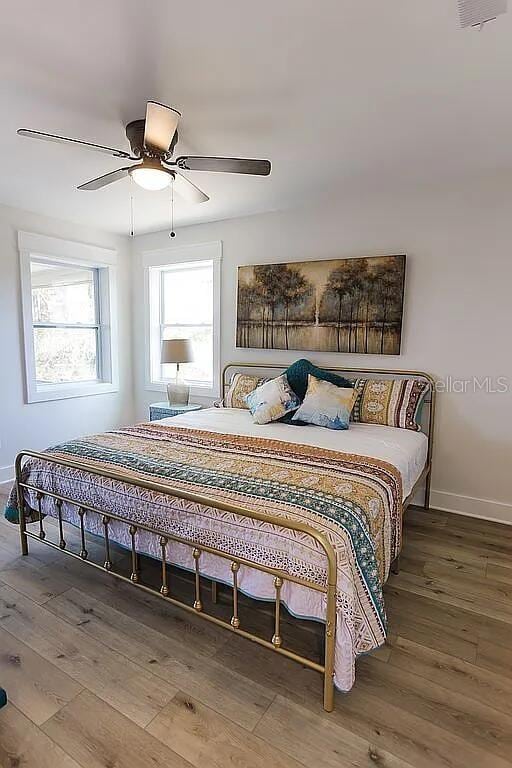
(343, 305)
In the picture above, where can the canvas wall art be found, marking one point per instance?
(343, 305)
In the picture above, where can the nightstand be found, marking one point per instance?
(164, 410)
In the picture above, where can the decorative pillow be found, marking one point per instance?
(272, 400)
(326, 404)
(390, 402)
(240, 386)
(297, 375)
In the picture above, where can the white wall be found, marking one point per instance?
(458, 313)
(38, 425)
(458, 319)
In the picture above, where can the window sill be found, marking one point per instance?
(67, 391)
(195, 389)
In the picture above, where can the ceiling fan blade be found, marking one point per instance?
(161, 124)
(187, 190)
(64, 140)
(225, 165)
(107, 178)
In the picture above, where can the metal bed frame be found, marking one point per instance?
(166, 539)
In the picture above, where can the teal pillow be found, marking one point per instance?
(297, 375)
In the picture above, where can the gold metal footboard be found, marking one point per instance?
(165, 540)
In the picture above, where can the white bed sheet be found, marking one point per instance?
(403, 448)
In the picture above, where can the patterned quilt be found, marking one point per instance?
(356, 501)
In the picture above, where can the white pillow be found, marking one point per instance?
(326, 405)
(272, 400)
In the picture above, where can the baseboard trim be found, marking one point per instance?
(6, 478)
(470, 506)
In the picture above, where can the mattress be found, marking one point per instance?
(405, 449)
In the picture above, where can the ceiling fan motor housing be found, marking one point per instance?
(135, 135)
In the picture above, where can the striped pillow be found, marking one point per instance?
(390, 402)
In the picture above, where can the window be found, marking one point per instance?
(183, 302)
(65, 320)
(67, 323)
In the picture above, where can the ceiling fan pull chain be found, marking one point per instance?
(132, 227)
(172, 233)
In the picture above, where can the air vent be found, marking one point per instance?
(474, 13)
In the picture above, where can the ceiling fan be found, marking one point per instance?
(152, 143)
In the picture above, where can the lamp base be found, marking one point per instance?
(178, 394)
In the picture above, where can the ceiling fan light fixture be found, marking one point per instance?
(151, 176)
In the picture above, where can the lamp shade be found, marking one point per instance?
(176, 351)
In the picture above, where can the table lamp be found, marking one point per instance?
(177, 351)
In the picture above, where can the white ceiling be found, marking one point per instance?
(343, 97)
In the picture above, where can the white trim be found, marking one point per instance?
(6, 480)
(53, 249)
(6, 475)
(66, 391)
(66, 250)
(470, 506)
(161, 257)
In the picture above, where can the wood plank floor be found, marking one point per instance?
(102, 676)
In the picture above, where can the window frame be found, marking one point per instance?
(154, 263)
(43, 249)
